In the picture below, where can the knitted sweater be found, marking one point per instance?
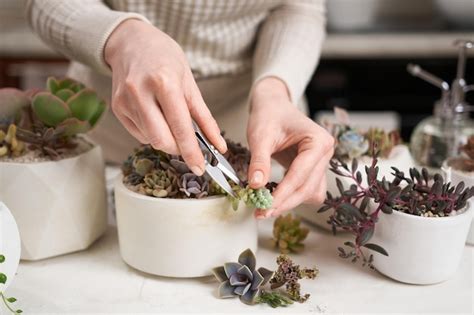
(280, 38)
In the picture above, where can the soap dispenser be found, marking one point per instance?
(439, 137)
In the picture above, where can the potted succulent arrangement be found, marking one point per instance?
(43, 153)
(356, 144)
(176, 224)
(461, 169)
(422, 221)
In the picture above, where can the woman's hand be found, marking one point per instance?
(277, 128)
(154, 94)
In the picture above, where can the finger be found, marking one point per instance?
(261, 149)
(203, 117)
(177, 115)
(314, 195)
(132, 129)
(154, 127)
(300, 170)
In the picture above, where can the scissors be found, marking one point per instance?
(216, 164)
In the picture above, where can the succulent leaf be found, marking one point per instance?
(247, 258)
(64, 94)
(219, 273)
(288, 235)
(85, 104)
(50, 109)
(225, 290)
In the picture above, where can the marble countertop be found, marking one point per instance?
(98, 281)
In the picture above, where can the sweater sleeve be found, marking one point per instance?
(78, 29)
(289, 44)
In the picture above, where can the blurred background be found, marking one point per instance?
(363, 64)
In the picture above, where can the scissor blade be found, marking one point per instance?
(220, 179)
(227, 169)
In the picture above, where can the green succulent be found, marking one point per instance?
(68, 105)
(9, 144)
(288, 235)
(159, 184)
(257, 198)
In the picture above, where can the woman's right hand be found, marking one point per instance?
(154, 94)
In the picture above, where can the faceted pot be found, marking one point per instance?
(456, 176)
(422, 250)
(181, 237)
(400, 158)
(60, 206)
(10, 245)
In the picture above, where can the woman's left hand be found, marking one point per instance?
(278, 129)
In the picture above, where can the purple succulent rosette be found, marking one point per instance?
(241, 279)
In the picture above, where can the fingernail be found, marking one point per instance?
(224, 144)
(196, 170)
(257, 178)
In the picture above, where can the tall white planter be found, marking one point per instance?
(9, 245)
(455, 177)
(181, 237)
(400, 158)
(422, 250)
(60, 206)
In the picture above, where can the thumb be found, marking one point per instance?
(260, 162)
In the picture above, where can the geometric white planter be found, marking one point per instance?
(181, 237)
(455, 177)
(59, 206)
(422, 250)
(9, 245)
(400, 158)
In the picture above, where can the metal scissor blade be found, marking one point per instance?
(217, 175)
(227, 169)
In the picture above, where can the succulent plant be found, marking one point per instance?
(239, 157)
(288, 274)
(9, 144)
(68, 104)
(382, 140)
(274, 299)
(288, 235)
(146, 159)
(351, 144)
(420, 194)
(193, 185)
(159, 183)
(241, 278)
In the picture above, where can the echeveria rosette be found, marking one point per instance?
(241, 279)
(193, 185)
(351, 144)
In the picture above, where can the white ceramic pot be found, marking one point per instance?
(10, 245)
(60, 206)
(421, 250)
(400, 157)
(181, 237)
(455, 177)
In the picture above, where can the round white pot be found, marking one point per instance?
(400, 157)
(10, 246)
(59, 206)
(455, 177)
(181, 237)
(421, 250)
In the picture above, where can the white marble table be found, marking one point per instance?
(98, 281)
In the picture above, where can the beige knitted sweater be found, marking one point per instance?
(230, 45)
(280, 38)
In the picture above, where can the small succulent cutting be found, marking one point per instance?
(419, 194)
(288, 274)
(50, 120)
(465, 162)
(241, 279)
(288, 235)
(158, 174)
(7, 301)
